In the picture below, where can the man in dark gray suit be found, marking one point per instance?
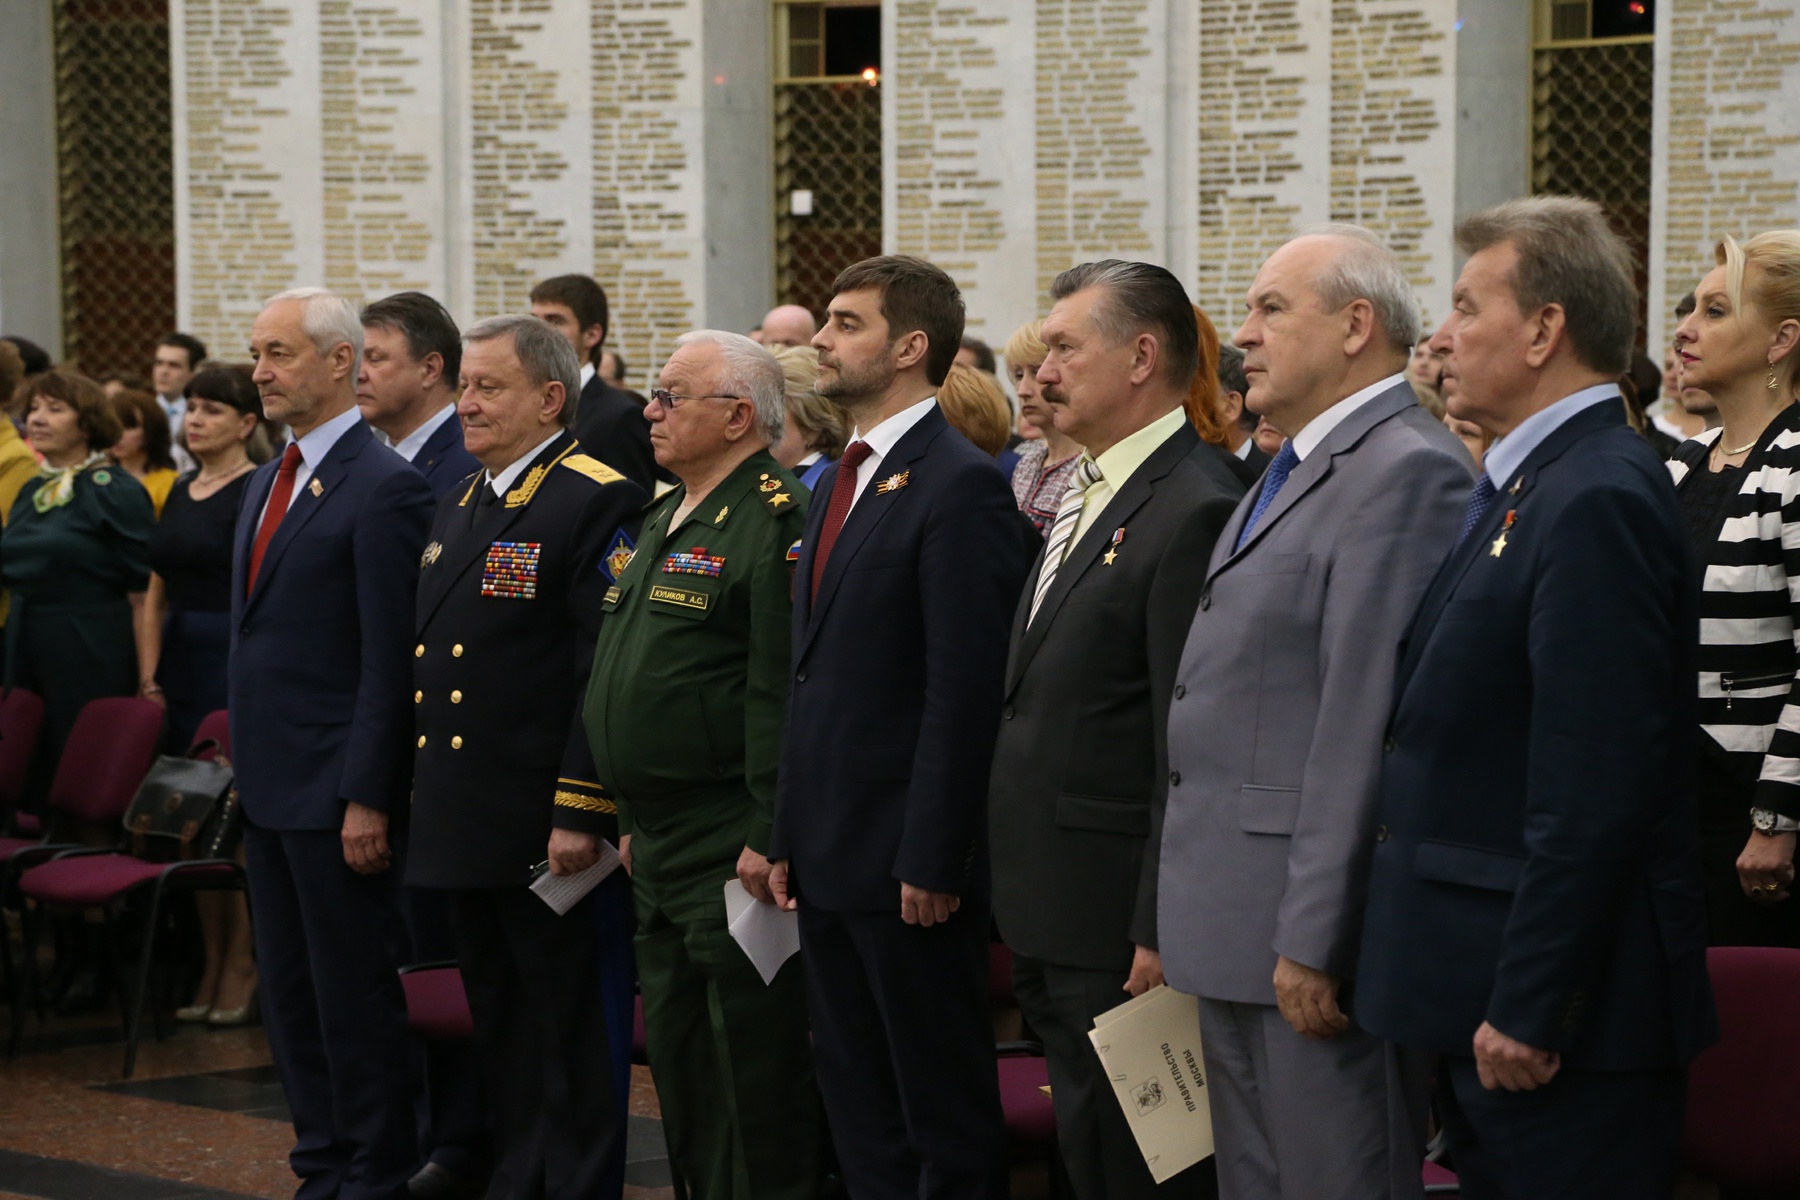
(1275, 730)
(1079, 767)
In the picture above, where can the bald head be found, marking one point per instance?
(788, 325)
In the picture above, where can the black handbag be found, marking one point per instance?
(185, 808)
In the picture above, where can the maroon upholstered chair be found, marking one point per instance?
(1440, 1181)
(1743, 1098)
(437, 1006)
(21, 717)
(112, 747)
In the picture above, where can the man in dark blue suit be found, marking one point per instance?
(904, 589)
(407, 391)
(1534, 908)
(412, 352)
(323, 579)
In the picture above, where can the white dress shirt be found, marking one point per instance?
(1509, 453)
(409, 446)
(313, 449)
(175, 408)
(1308, 439)
(503, 482)
(1244, 448)
(882, 440)
(587, 373)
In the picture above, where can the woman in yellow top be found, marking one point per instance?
(143, 445)
(17, 462)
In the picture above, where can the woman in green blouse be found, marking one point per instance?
(74, 557)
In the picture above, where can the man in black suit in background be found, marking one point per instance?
(1080, 769)
(1240, 422)
(609, 422)
(905, 581)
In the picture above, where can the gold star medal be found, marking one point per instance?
(1112, 552)
(1499, 546)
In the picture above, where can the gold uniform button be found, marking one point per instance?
(421, 741)
(456, 742)
(456, 650)
(456, 697)
(418, 697)
(419, 650)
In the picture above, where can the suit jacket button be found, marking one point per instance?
(800, 676)
(1205, 601)
(418, 697)
(1174, 778)
(1387, 745)
(1381, 833)
(1180, 691)
(456, 697)
(1006, 714)
(455, 651)
(421, 741)
(456, 742)
(419, 650)
(244, 632)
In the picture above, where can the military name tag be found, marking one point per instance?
(511, 570)
(612, 596)
(662, 593)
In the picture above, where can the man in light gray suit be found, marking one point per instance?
(1275, 730)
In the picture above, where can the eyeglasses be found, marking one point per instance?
(670, 400)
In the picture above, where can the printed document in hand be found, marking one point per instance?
(563, 892)
(769, 935)
(1150, 1048)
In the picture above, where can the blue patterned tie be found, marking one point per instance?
(1480, 500)
(1280, 468)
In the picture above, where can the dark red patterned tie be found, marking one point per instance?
(279, 495)
(842, 493)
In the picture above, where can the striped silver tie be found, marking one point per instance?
(1062, 530)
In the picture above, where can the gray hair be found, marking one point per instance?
(1140, 298)
(544, 354)
(750, 371)
(1368, 270)
(327, 318)
(1568, 256)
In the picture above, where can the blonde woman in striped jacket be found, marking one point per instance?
(1740, 486)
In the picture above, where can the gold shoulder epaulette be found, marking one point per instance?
(592, 467)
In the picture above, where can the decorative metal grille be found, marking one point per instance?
(827, 141)
(115, 168)
(1590, 132)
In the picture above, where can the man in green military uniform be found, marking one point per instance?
(684, 711)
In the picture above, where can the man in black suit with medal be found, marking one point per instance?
(609, 421)
(905, 582)
(510, 591)
(1080, 770)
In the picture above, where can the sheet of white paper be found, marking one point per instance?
(563, 892)
(1150, 1048)
(768, 935)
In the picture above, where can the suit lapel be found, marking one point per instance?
(1313, 469)
(871, 506)
(469, 544)
(1509, 495)
(1081, 556)
(438, 444)
(320, 490)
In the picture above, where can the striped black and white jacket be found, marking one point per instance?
(1749, 611)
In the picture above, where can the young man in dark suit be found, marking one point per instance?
(609, 422)
(323, 579)
(905, 581)
(1080, 768)
(510, 599)
(1535, 912)
(407, 391)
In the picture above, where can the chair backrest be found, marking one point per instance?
(1743, 1103)
(216, 729)
(109, 751)
(1000, 979)
(21, 716)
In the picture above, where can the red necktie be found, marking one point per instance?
(842, 493)
(279, 495)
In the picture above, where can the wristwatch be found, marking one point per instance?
(1770, 823)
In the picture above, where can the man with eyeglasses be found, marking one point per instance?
(684, 712)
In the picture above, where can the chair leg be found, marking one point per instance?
(31, 923)
(135, 1018)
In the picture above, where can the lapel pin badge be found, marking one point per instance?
(723, 513)
(1112, 551)
(1516, 485)
(893, 483)
(431, 555)
(316, 488)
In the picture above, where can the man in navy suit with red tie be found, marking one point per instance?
(903, 595)
(323, 579)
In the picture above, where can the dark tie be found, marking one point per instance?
(843, 492)
(1480, 500)
(279, 495)
(487, 503)
(1280, 468)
